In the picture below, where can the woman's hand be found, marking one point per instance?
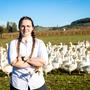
(19, 63)
(37, 62)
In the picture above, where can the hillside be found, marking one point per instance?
(84, 21)
(83, 24)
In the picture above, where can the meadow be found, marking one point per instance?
(57, 79)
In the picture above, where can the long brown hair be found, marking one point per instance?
(20, 35)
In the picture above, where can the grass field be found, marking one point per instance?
(57, 80)
(54, 39)
(65, 39)
(68, 82)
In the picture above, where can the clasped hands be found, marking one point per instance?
(27, 60)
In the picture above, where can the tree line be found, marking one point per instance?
(9, 28)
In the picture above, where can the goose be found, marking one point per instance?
(85, 64)
(70, 65)
(5, 67)
(48, 68)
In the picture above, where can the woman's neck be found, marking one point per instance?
(26, 38)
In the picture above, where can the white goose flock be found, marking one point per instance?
(67, 57)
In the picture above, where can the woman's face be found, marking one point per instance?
(26, 28)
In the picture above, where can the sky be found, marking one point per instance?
(47, 13)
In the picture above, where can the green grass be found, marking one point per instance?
(67, 82)
(3, 41)
(58, 81)
(54, 39)
(4, 83)
(65, 39)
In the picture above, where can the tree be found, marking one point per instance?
(14, 27)
(11, 27)
(1, 31)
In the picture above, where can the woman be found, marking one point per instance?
(27, 55)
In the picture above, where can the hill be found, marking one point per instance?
(83, 23)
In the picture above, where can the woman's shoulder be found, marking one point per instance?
(13, 41)
(39, 40)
